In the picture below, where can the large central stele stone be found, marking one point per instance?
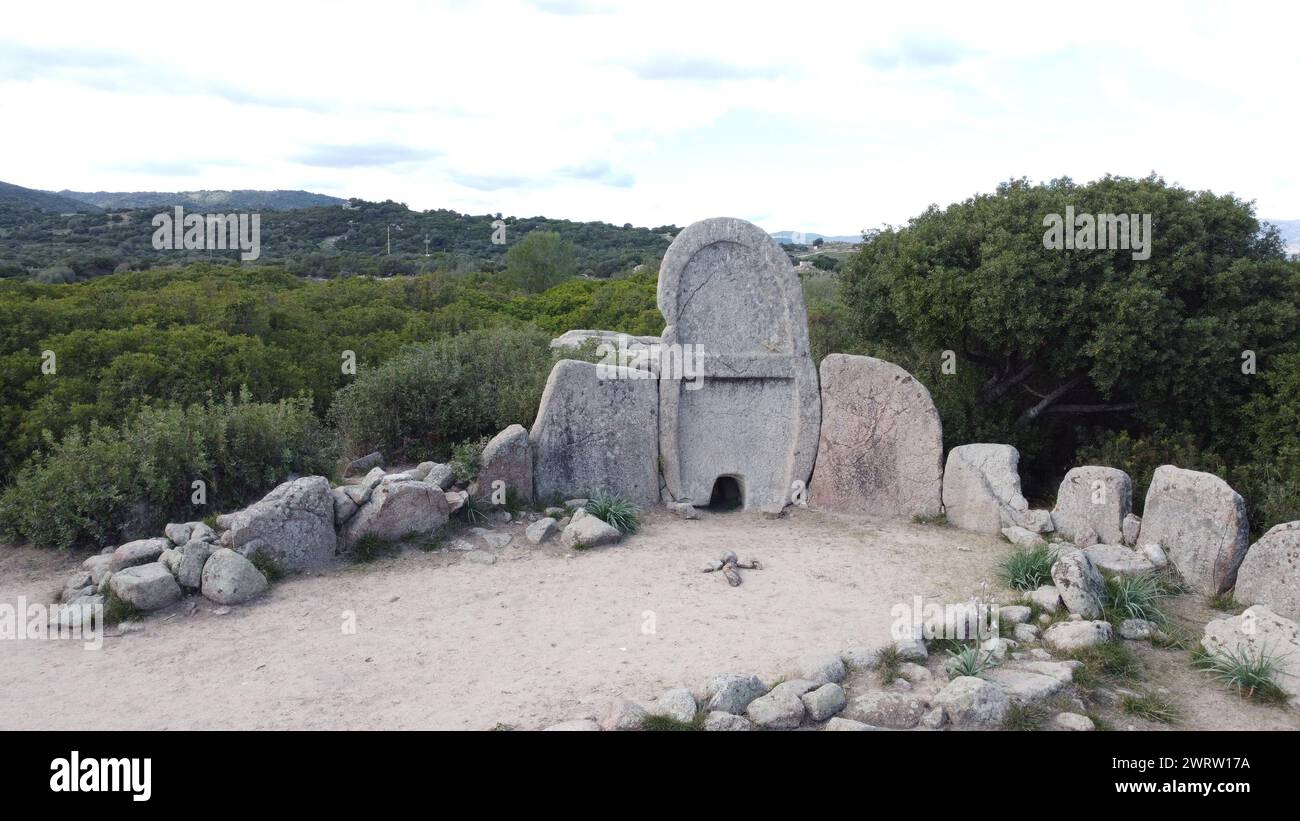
(750, 424)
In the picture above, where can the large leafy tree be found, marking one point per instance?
(539, 260)
(1049, 342)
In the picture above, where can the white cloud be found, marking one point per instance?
(817, 116)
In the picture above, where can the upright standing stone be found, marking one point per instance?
(1094, 497)
(1270, 573)
(981, 490)
(597, 430)
(508, 459)
(752, 417)
(1201, 524)
(881, 445)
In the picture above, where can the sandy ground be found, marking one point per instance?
(543, 635)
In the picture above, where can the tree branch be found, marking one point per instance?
(1119, 408)
(1049, 400)
(994, 390)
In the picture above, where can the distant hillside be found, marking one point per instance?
(245, 199)
(31, 198)
(788, 238)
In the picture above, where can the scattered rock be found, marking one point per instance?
(145, 586)
(1023, 539)
(1131, 527)
(229, 578)
(1136, 629)
(396, 509)
(1014, 613)
(1026, 633)
(732, 693)
(859, 658)
(914, 673)
(1270, 573)
(1047, 597)
(1024, 686)
(934, 719)
(1155, 554)
(360, 492)
(480, 557)
(492, 538)
(1072, 722)
(824, 702)
(1075, 635)
(179, 534)
(540, 530)
(782, 708)
(973, 704)
(189, 565)
(1082, 588)
(622, 714)
(719, 721)
(683, 510)
(589, 531)
(678, 704)
(895, 710)
(821, 667)
(444, 476)
(1200, 522)
(1119, 560)
(293, 525)
(359, 466)
(838, 724)
(1260, 633)
(98, 566)
(141, 551)
(1093, 498)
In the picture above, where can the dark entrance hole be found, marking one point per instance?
(726, 494)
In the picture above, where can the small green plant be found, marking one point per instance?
(210, 520)
(1152, 706)
(117, 609)
(1109, 660)
(1135, 597)
(371, 547)
(1224, 602)
(465, 459)
(1027, 569)
(886, 663)
(267, 566)
(945, 645)
(971, 662)
(472, 511)
(1250, 677)
(614, 511)
(427, 542)
(662, 723)
(938, 519)
(1025, 717)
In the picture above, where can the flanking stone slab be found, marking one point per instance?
(1270, 573)
(728, 290)
(597, 434)
(1094, 497)
(1200, 522)
(880, 451)
(981, 491)
(508, 459)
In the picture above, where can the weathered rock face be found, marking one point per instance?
(595, 434)
(1094, 497)
(1260, 633)
(974, 704)
(145, 586)
(880, 450)
(727, 290)
(731, 693)
(1119, 560)
(1270, 573)
(508, 459)
(588, 531)
(1201, 524)
(293, 525)
(189, 565)
(141, 551)
(612, 347)
(396, 509)
(895, 710)
(1081, 586)
(981, 490)
(229, 578)
(1065, 636)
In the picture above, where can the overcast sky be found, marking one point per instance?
(803, 116)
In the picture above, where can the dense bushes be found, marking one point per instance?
(107, 484)
(428, 397)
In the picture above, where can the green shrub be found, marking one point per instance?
(427, 397)
(1153, 707)
(1027, 569)
(614, 511)
(465, 459)
(1252, 677)
(370, 547)
(1136, 597)
(108, 484)
(267, 566)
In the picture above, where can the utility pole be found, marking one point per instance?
(390, 240)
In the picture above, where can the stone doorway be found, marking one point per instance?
(728, 494)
